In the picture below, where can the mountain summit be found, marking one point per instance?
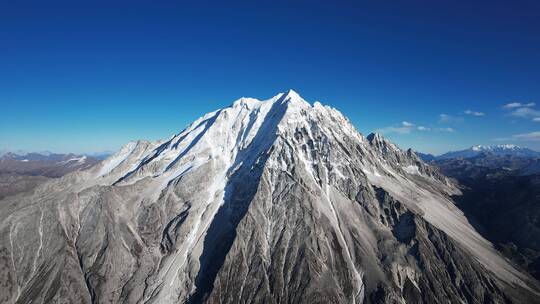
(274, 201)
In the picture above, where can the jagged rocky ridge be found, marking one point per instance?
(273, 201)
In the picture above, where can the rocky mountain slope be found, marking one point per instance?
(274, 201)
(12, 183)
(498, 192)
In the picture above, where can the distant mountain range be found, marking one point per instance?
(426, 156)
(497, 150)
(98, 155)
(21, 171)
(45, 164)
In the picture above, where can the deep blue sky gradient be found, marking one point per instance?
(87, 76)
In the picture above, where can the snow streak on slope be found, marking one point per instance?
(112, 162)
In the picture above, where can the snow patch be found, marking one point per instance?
(112, 162)
(411, 169)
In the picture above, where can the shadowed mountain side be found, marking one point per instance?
(241, 187)
(499, 192)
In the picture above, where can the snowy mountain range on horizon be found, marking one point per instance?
(30, 154)
(496, 150)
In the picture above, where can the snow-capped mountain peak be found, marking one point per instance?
(497, 150)
(293, 96)
(290, 96)
(258, 201)
(495, 147)
(315, 137)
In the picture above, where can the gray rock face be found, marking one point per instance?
(12, 184)
(271, 201)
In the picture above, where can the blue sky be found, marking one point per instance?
(87, 76)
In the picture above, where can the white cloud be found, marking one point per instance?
(525, 113)
(399, 130)
(474, 113)
(407, 124)
(513, 105)
(450, 130)
(445, 118)
(531, 136)
(405, 127)
(523, 110)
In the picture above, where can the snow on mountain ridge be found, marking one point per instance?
(232, 129)
(499, 150)
(245, 115)
(495, 147)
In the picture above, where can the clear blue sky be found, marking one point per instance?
(87, 76)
